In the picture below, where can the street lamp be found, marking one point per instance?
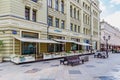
(106, 40)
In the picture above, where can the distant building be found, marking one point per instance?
(114, 33)
(25, 23)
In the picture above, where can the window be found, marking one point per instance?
(71, 11)
(83, 4)
(75, 13)
(75, 28)
(62, 6)
(29, 35)
(29, 47)
(78, 14)
(34, 15)
(56, 5)
(83, 18)
(57, 22)
(86, 19)
(71, 27)
(84, 30)
(34, 0)
(50, 3)
(78, 29)
(63, 24)
(50, 21)
(27, 13)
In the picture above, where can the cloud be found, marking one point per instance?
(102, 6)
(115, 2)
(114, 19)
(111, 6)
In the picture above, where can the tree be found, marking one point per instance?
(1, 43)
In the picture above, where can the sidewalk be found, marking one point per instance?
(94, 69)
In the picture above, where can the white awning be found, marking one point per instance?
(62, 40)
(35, 40)
(79, 43)
(84, 44)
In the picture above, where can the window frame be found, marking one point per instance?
(27, 13)
(62, 24)
(56, 5)
(34, 15)
(56, 22)
(49, 3)
(50, 21)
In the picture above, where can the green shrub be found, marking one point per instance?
(1, 43)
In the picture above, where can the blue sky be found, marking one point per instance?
(111, 11)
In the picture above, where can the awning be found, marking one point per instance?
(83, 44)
(35, 40)
(79, 43)
(62, 40)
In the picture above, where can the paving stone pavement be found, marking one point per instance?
(94, 69)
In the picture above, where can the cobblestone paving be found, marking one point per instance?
(94, 69)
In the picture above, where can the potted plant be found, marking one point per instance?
(80, 51)
(68, 52)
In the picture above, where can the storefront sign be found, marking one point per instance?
(76, 34)
(14, 32)
(57, 30)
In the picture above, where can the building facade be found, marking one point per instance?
(32, 27)
(109, 30)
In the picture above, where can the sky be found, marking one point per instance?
(110, 12)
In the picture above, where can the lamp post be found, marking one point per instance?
(106, 40)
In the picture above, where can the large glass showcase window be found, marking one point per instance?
(56, 47)
(29, 47)
(29, 35)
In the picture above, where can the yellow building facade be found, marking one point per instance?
(34, 27)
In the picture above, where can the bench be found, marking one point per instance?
(72, 60)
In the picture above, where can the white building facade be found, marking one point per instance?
(114, 33)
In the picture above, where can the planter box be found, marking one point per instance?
(47, 56)
(22, 59)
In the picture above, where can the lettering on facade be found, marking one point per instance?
(76, 34)
(56, 30)
(14, 32)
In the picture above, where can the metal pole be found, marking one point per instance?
(107, 48)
